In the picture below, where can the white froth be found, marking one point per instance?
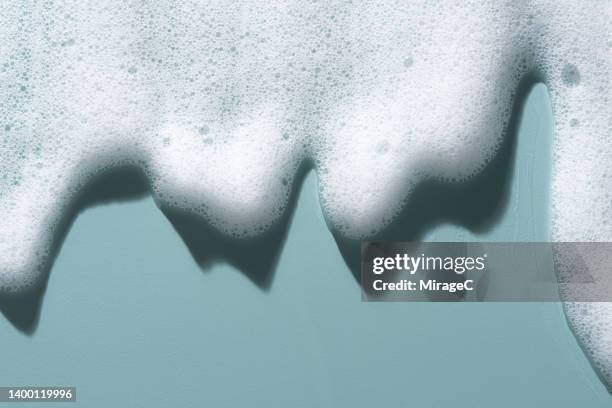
(579, 66)
(218, 103)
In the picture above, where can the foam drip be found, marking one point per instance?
(219, 104)
(578, 66)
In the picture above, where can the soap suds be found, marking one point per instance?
(219, 104)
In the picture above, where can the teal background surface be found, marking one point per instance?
(130, 319)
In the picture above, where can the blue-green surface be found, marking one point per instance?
(131, 320)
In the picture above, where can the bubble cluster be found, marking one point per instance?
(577, 65)
(570, 75)
(219, 104)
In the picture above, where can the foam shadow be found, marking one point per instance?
(477, 203)
(118, 184)
(255, 257)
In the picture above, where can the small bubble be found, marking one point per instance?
(408, 62)
(132, 70)
(570, 75)
(204, 130)
(383, 147)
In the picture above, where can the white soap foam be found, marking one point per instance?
(219, 103)
(578, 66)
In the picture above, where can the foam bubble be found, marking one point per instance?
(219, 104)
